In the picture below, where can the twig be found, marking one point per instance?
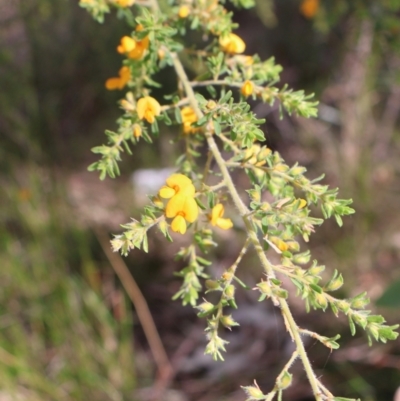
(135, 295)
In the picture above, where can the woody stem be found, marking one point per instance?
(244, 212)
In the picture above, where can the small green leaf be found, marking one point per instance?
(316, 288)
(352, 326)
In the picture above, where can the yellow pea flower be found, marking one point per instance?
(137, 131)
(121, 81)
(177, 184)
(232, 44)
(148, 108)
(247, 88)
(281, 245)
(126, 45)
(309, 8)
(184, 11)
(188, 117)
(124, 3)
(216, 218)
(181, 206)
(139, 50)
(141, 46)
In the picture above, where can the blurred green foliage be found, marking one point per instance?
(59, 340)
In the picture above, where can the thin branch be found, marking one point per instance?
(139, 302)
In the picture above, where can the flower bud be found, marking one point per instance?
(284, 381)
(163, 226)
(265, 288)
(301, 258)
(321, 300)
(158, 202)
(212, 284)
(227, 276)
(211, 104)
(343, 306)
(184, 11)
(297, 171)
(230, 291)
(247, 88)
(137, 131)
(228, 322)
(205, 307)
(281, 167)
(254, 392)
(335, 284)
(282, 246)
(161, 54)
(265, 206)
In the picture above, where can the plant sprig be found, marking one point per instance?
(224, 122)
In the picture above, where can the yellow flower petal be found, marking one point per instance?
(225, 224)
(184, 11)
(141, 45)
(279, 243)
(232, 44)
(124, 3)
(127, 44)
(124, 75)
(137, 131)
(166, 192)
(178, 224)
(190, 209)
(303, 203)
(309, 8)
(188, 116)
(113, 83)
(139, 50)
(181, 184)
(217, 212)
(175, 205)
(148, 108)
(247, 88)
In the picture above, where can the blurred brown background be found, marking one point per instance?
(67, 329)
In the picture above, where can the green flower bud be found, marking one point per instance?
(374, 330)
(265, 206)
(205, 307)
(343, 306)
(284, 381)
(230, 291)
(227, 276)
(211, 104)
(360, 301)
(163, 226)
(335, 284)
(321, 300)
(302, 258)
(315, 270)
(265, 288)
(228, 322)
(254, 392)
(297, 171)
(212, 284)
